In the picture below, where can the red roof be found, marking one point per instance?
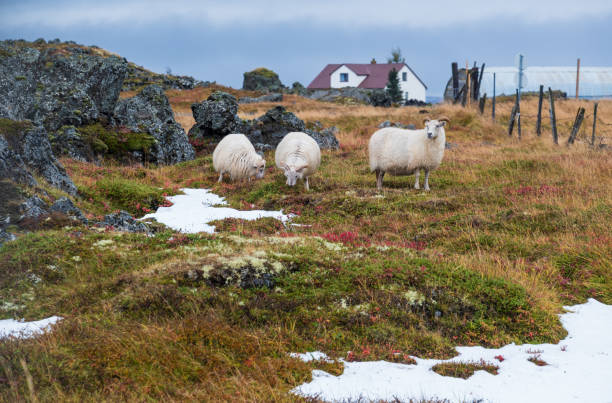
(377, 74)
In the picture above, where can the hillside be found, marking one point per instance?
(510, 232)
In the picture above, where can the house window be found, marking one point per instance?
(404, 76)
(344, 77)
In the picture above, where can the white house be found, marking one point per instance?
(370, 76)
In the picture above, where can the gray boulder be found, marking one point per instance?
(387, 123)
(150, 111)
(215, 117)
(360, 95)
(275, 97)
(262, 79)
(32, 145)
(124, 221)
(5, 236)
(65, 206)
(33, 207)
(54, 86)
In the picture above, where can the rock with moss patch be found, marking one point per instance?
(12, 166)
(56, 86)
(33, 207)
(215, 117)
(262, 79)
(274, 97)
(150, 111)
(124, 221)
(5, 236)
(65, 206)
(67, 141)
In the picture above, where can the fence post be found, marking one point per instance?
(467, 83)
(594, 123)
(455, 80)
(493, 105)
(553, 117)
(483, 102)
(539, 121)
(576, 126)
(479, 81)
(513, 116)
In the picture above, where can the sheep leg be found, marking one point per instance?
(379, 179)
(220, 177)
(306, 184)
(427, 179)
(416, 181)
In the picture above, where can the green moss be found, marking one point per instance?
(13, 129)
(126, 194)
(20, 78)
(106, 140)
(262, 71)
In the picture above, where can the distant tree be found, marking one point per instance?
(393, 87)
(168, 71)
(373, 61)
(396, 56)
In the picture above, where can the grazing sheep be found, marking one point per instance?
(236, 156)
(403, 152)
(299, 156)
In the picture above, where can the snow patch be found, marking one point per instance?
(20, 329)
(579, 370)
(191, 212)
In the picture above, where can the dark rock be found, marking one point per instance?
(54, 87)
(138, 77)
(123, 221)
(450, 146)
(33, 207)
(150, 111)
(12, 166)
(215, 117)
(359, 95)
(275, 97)
(415, 102)
(33, 147)
(67, 141)
(262, 79)
(298, 89)
(64, 205)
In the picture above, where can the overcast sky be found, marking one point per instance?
(219, 40)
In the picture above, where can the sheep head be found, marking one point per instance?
(293, 173)
(258, 168)
(435, 127)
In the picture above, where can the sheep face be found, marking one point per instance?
(293, 174)
(258, 169)
(433, 128)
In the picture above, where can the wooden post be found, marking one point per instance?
(539, 121)
(594, 123)
(513, 116)
(576, 126)
(518, 113)
(493, 105)
(455, 80)
(577, 77)
(482, 103)
(479, 81)
(553, 117)
(467, 81)
(459, 94)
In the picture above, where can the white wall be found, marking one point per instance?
(412, 87)
(353, 79)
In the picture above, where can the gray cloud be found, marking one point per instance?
(342, 14)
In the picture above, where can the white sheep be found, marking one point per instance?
(299, 156)
(403, 152)
(236, 156)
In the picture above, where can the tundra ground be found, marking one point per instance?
(510, 232)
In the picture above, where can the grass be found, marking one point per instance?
(464, 369)
(510, 232)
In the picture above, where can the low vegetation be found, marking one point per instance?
(510, 233)
(464, 369)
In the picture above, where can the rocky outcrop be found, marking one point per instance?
(55, 86)
(388, 123)
(32, 146)
(12, 166)
(65, 206)
(69, 142)
(360, 95)
(217, 117)
(275, 97)
(33, 207)
(262, 79)
(150, 111)
(137, 77)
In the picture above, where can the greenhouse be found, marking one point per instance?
(595, 82)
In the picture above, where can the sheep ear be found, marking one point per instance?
(301, 168)
(444, 119)
(425, 121)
